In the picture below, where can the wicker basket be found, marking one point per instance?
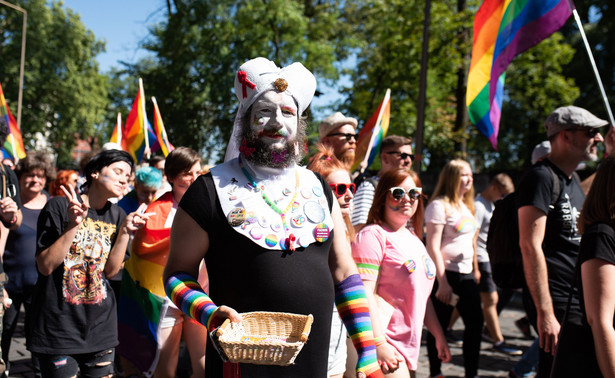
(265, 338)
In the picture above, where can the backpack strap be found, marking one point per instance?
(557, 190)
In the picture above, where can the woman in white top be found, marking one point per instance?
(451, 240)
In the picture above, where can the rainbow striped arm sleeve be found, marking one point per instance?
(188, 296)
(353, 309)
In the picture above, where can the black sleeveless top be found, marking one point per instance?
(247, 277)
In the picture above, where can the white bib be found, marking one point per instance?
(308, 217)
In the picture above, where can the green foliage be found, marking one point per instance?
(64, 94)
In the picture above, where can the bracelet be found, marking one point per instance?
(379, 340)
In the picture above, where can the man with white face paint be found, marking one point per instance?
(266, 228)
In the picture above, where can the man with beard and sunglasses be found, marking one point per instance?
(270, 231)
(548, 234)
(339, 133)
(395, 153)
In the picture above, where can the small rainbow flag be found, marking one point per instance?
(161, 133)
(502, 30)
(118, 132)
(372, 133)
(137, 126)
(13, 145)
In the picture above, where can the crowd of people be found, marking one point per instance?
(115, 265)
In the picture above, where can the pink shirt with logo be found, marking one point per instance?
(406, 278)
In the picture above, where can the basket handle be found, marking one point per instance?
(307, 328)
(221, 329)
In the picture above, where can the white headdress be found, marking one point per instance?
(259, 75)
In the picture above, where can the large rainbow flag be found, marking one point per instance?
(372, 134)
(161, 133)
(135, 129)
(502, 30)
(13, 145)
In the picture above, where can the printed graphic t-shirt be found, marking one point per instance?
(74, 309)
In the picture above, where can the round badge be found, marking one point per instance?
(271, 240)
(410, 265)
(317, 190)
(263, 221)
(314, 212)
(251, 217)
(321, 232)
(305, 240)
(237, 216)
(256, 233)
(298, 220)
(287, 192)
(276, 227)
(306, 193)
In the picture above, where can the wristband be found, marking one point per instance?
(9, 224)
(189, 297)
(379, 340)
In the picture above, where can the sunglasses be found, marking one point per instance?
(398, 193)
(340, 189)
(402, 155)
(590, 132)
(348, 136)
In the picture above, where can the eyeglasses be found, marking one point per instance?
(348, 136)
(340, 189)
(591, 132)
(401, 155)
(398, 193)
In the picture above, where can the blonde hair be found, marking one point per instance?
(449, 180)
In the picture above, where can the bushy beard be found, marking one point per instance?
(347, 158)
(261, 153)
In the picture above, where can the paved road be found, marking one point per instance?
(492, 363)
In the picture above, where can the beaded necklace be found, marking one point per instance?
(290, 236)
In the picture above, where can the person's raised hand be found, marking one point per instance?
(137, 219)
(77, 211)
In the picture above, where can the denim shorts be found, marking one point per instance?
(90, 365)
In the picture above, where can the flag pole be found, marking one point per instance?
(363, 165)
(119, 130)
(146, 152)
(593, 62)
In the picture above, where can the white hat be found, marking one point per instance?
(334, 121)
(540, 151)
(260, 75)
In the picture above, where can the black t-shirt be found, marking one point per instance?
(598, 242)
(74, 309)
(247, 277)
(561, 240)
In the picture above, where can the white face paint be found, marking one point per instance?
(274, 118)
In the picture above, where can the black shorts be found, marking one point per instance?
(486, 284)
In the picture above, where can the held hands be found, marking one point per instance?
(137, 219)
(77, 211)
(388, 358)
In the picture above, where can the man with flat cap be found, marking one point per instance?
(548, 234)
(339, 132)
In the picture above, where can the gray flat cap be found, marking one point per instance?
(570, 117)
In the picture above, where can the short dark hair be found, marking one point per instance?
(394, 141)
(36, 160)
(179, 160)
(104, 159)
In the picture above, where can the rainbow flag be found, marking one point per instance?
(161, 133)
(371, 134)
(118, 132)
(502, 30)
(13, 145)
(136, 127)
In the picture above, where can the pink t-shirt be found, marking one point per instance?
(457, 245)
(406, 278)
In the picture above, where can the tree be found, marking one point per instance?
(203, 43)
(64, 94)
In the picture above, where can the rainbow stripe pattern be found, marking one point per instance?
(136, 127)
(502, 30)
(161, 134)
(368, 268)
(372, 134)
(13, 146)
(188, 296)
(353, 309)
